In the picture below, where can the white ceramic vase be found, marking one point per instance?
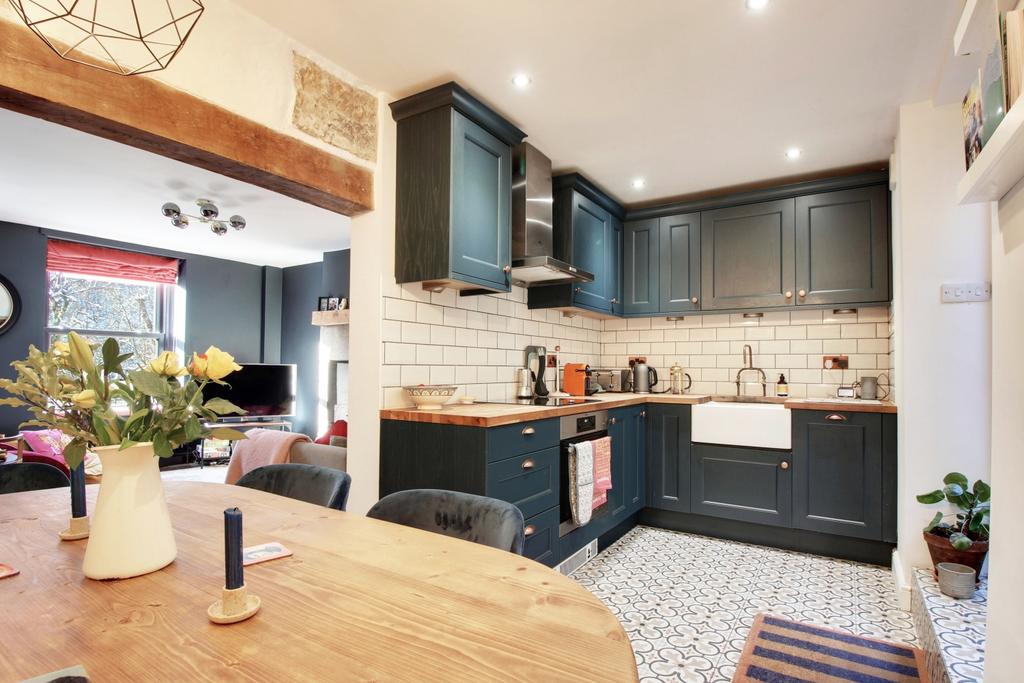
(131, 530)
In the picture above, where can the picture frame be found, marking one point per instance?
(321, 303)
(332, 303)
(343, 304)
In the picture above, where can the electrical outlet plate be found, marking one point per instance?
(964, 292)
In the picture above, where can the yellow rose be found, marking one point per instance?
(84, 400)
(61, 348)
(81, 352)
(214, 364)
(167, 365)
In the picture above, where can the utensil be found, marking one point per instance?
(644, 377)
(524, 383)
(430, 396)
(956, 580)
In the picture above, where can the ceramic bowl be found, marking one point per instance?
(956, 580)
(430, 396)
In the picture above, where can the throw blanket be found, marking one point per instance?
(602, 470)
(260, 447)
(581, 481)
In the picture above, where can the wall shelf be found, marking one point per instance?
(1000, 165)
(328, 318)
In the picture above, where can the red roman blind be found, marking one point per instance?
(84, 259)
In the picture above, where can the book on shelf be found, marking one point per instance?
(1014, 23)
(973, 121)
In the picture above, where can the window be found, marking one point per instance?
(135, 313)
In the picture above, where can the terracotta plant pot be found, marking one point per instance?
(942, 550)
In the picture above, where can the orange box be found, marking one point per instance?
(574, 379)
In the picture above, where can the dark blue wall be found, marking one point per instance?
(300, 340)
(337, 268)
(22, 251)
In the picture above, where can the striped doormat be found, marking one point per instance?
(783, 651)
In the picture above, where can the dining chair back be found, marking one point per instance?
(479, 519)
(31, 476)
(310, 483)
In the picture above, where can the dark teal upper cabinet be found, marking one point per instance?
(842, 246)
(679, 263)
(454, 191)
(640, 266)
(588, 234)
(747, 256)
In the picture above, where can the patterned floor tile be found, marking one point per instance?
(687, 602)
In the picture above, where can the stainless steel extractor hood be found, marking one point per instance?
(533, 262)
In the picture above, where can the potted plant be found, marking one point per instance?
(963, 539)
(127, 417)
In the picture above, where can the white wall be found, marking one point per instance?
(1006, 555)
(943, 351)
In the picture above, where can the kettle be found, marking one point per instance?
(644, 377)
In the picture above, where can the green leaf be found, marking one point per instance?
(99, 427)
(150, 383)
(74, 453)
(960, 541)
(933, 497)
(936, 520)
(982, 491)
(127, 443)
(135, 417)
(193, 429)
(222, 406)
(953, 491)
(111, 351)
(956, 478)
(227, 434)
(161, 445)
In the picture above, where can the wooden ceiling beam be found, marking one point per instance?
(149, 115)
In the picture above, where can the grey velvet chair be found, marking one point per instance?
(310, 483)
(31, 476)
(487, 521)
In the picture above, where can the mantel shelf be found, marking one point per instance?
(1000, 165)
(328, 318)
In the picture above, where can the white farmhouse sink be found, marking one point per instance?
(760, 425)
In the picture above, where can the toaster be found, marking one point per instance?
(613, 380)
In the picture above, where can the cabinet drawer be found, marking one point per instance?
(542, 537)
(529, 481)
(524, 437)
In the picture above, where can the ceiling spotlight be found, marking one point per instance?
(208, 213)
(756, 5)
(638, 183)
(521, 81)
(793, 153)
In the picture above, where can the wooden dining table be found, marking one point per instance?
(360, 600)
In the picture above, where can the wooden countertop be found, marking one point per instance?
(360, 600)
(497, 414)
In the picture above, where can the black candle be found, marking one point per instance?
(78, 491)
(233, 548)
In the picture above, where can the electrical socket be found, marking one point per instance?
(964, 292)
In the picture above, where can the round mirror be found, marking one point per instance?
(10, 305)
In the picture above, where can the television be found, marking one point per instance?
(260, 389)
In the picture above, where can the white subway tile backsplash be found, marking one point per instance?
(429, 355)
(398, 309)
(415, 333)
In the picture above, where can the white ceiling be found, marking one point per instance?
(59, 178)
(691, 94)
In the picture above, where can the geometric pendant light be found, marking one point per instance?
(125, 37)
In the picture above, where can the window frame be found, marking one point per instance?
(164, 315)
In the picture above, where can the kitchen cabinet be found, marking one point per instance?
(640, 263)
(627, 427)
(842, 246)
(453, 191)
(747, 256)
(745, 484)
(679, 263)
(588, 233)
(838, 473)
(668, 457)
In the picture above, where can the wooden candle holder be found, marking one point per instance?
(235, 605)
(78, 528)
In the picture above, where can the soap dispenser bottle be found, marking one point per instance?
(782, 389)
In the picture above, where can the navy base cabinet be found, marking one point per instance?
(668, 457)
(745, 484)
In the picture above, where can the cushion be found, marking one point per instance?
(338, 428)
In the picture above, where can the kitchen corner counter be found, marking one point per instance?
(497, 414)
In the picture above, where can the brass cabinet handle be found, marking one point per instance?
(835, 417)
(507, 269)
(643, 413)
(789, 294)
(784, 465)
(528, 464)
(612, 420)
(802, 293)
(614, 300)
(578, 290)
(529, 530)
(693, 300)
(529, 431)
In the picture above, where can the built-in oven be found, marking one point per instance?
(572, 429)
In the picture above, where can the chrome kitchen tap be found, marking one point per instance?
(748, 359)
